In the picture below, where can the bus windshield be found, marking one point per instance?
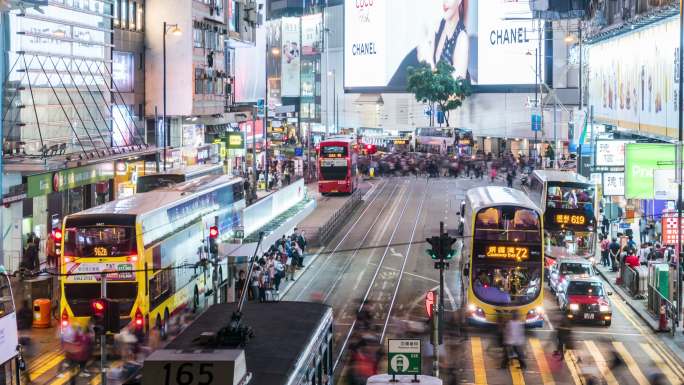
(568, 242)
(570, 196)
(507, 224)
(507, 285)
(99, 241)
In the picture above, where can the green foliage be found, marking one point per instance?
(438, 86)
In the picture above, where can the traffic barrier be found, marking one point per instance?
(326, 231)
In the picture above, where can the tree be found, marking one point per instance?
(438, 86)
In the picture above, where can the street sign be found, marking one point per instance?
(427, 111)
(536, 123)
(260, 108)
(403, 356)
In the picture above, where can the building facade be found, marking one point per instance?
(65, 140)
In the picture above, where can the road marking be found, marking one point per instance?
(571, 362)
(601, 363)
(45, 367)
(663, 366)
(538, 352)
(478, 361)
(656, 344)
(38, 361)
(516, 375)
(631, 364)
(97, 380)
(576, 332)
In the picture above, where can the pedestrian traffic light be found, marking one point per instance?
(105, 313)
(429, 303)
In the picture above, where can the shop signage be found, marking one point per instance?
(7, 199)
(235, 140)
(664, 184)
(641, 159)
(81, 176)
(610, 152)
(38, 185)
(669, 226)
(613, 184)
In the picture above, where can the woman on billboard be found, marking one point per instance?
(450, 43)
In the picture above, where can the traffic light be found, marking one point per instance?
(105, 313)
(213, 240)
(429, 303)
(371, 149)
(441, 247)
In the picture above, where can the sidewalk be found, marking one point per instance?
(640, 307)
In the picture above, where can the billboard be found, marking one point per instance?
(312, 34)
(491, 42)
(122, 71)
(290, 56)
(641, 160)
(632, 82)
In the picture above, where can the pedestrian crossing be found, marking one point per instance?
(636, 362)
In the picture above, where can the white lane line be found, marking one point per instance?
(351, 228)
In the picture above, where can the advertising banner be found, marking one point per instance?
(122, 71)
(610, 152)
(664, 185)
(632, 82)
(312, 34)
(487, 41)
(290, 56)
(641, 159)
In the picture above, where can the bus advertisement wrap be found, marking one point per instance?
(382, 40)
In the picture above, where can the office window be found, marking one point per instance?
(132, 14)
(124, 13)
(197, 35)
(139, 16)
(199, 86)
(116, 13)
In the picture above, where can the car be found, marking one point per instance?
(586, 300)
(568, 268)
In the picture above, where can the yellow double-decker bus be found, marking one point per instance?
(148, 247)
(503, 256)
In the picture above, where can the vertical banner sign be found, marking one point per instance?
(536, 123)
(290, 57)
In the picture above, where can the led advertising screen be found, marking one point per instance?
(491, 42)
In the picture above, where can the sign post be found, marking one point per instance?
(403, 357)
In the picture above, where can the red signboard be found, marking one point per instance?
(669, 224)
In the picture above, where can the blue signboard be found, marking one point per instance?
(536, 123)
(299, 151)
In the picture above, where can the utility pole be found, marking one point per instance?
(678, 157)
(441, 253)
(103, 336)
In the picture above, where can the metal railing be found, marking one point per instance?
(656, 301)
(328, 229)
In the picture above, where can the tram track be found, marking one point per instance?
(393, 280)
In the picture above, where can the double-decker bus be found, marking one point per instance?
(568, 201)
(149, 247)
(337, 158)
(503, 257)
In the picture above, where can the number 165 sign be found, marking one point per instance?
(171, 367)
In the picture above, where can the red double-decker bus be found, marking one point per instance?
(337, 166)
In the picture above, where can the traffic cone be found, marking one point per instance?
(662, 320)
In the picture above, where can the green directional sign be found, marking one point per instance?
(403, 356)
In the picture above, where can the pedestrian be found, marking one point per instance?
(240, 285)
(605, 225)
(279, 274)
(643, 230)
(30, 260)
(509, 180)
(492, 174)
(514, 340)
(254, 283)
(631, 259)
(605, 244)
(644, 253)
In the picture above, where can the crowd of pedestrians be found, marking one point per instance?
(278, 263)
(476, 166)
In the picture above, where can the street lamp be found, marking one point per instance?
(335, 99)
(175, 30)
